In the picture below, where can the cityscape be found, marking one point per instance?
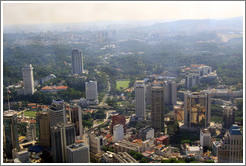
(122, 88)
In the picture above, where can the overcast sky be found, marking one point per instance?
(36, 13)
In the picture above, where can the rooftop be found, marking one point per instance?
(235, 130)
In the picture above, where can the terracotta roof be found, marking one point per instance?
(46, 88)
(61, 87)
(32, 104)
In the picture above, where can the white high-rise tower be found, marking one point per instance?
(77, 61)
(140, 99)
(27, 73)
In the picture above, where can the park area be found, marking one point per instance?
(30, 113)
(122, 84)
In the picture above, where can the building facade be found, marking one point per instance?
(197, 109)
(10, 132)
(78, 153)
(76, 118)
(140, 104)
(77, 61)
(228, 117)
(28, 82)
(57, 113)
(205, 136)
(157, 108)
(118, 132)
(118, 119)
(91, 92)
(191, 80)
(43, 128)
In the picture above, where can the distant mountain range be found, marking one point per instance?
(167, 26)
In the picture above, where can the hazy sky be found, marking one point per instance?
(33, 13)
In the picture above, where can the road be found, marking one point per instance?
(106, 95)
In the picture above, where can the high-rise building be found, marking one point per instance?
(204, 70)
(170, 92)
(118, 132)
(61, 136)
(31, 132)
(140, 99)
(148, 94)
(197, 109)
(228, 116)
(78, 153)
(10, 132)
(96, 141)
(118, 119)
(91, 92)
(43, 128)
(28, 82)
(205, 136)
(76, 118)
(77, 61)
(191, 80)
(157, 108)
(231, 148)
(57, 113)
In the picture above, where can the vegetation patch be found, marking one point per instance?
(122, 84)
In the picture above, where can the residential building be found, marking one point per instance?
(57, 113)
(204, 70)
(126, 146)
(163, 140)
(77, 61)
(78, 153)
(205, 136)
(194, 152)
(157, 108)
(191, 80)
(231, 148)
(43, 128)
(10, 132)
(197, 109)
(118, 132)
(28, 82)
(228, 116)
(146, 133)
(96, 141)
(61, 136)
(91, 92)
(140, 99)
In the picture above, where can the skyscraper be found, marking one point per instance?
(228, 116)
(78, 153)
(231, 148)
(43, 128)
(157, 108)
(191, 80)
(76, 118)
(61, 136)
(57, 113)
(170, 92)
(140, 99)
(197, 109)
(91, 92)
(31, 132)
(28, 82)
(11, 132)
(77, 61)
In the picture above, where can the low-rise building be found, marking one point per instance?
(195, 152)
(126, 146)
(205, 137)
(78, 153)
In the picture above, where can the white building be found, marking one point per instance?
(194, 152)
(28, 82)
(205, 137)
(78, 153)
(118, 132)
(91, 92)
(77, 61)
(191, 80)
(96, 142)
(204, 70)
(140, 99)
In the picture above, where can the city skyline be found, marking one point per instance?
(64, 12)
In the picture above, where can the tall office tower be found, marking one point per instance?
(157, 108)
(61, 136)
(76, 118)
(228, 117)
(148, 94)
(140, 99)
(43, 128)
(77, 61)
(27, 73)
(191, 80)
(231, 148)
(118, 132)
(197, 109)
(78, 153)
(118, 119)
(57, 113)
(170, 92)
(91, 91)
(11, 132)
(31, 132)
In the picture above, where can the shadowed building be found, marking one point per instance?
(43, 128)
(28, 82)
(77, 61)
(140, 99)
